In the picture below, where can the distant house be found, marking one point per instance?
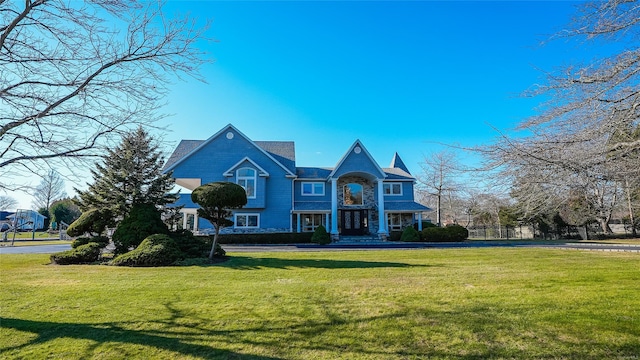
(355, 197)
(27, 220)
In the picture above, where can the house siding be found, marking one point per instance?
(277, 188)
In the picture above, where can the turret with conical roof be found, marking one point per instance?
(397, 163)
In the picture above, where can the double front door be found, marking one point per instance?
(354, 222)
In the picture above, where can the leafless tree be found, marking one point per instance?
(75, 74)
(50, 189)
(7, 202)
(438, 178)
(575, 141)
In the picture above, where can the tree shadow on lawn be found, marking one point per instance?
(254, 263)
(479, 331)
(116, 333)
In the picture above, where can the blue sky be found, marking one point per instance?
(400, 76)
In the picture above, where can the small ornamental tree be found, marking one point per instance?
(321, 236)
(409, 234)
(216, 201)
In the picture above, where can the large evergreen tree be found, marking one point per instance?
(131, 174)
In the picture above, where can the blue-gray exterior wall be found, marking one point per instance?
(407, 192)
(273, 193)
(357, 163)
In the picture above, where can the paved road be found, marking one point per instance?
(47, 249)
(34, 249)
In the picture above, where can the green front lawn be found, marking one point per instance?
(406, 304)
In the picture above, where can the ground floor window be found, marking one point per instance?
(247, 220)
(395, 222)
(311, 221)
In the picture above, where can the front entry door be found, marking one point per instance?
(353, 222)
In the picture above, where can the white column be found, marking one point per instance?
(326, 221)
(382, 221)
(184, 220)
(334, 207)
(420, 221)
(298, 222)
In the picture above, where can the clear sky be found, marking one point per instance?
(400, 76)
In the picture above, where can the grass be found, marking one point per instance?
(28, 235)
(406, 304)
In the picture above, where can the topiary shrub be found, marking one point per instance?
(409, 234)
(90, 222)
(143, 220)
(435, 234)
(155, 250)
(450, 233)
(102, 240)
(83, 254)
(190, 246)
(457, 232)
(321, 236)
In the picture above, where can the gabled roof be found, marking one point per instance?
(357, 143)
(261, 172)
(396, 162)
(183, 148)
(283, 150)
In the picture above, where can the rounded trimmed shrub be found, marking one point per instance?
(155, 250)
(83, 254)
(457, 232)
(450, 233)
(143, 220)
(409, 234)
(90, 222)
(102, 240)
(321, 236)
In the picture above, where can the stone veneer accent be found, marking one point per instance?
(368, 199)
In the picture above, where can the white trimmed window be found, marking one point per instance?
(247, 221)
(392, 188)
(246, 177)
(311, 221)
(313, 188)
(395, 222)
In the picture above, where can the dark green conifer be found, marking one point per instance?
(130, 174)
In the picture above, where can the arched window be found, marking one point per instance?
(246, 177)
(352, 194)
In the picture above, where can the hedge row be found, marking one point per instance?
(450, 233)
(265, 238)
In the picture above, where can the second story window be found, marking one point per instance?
(246, 177)
(313, 188)
(353, 194)
(392, 188)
